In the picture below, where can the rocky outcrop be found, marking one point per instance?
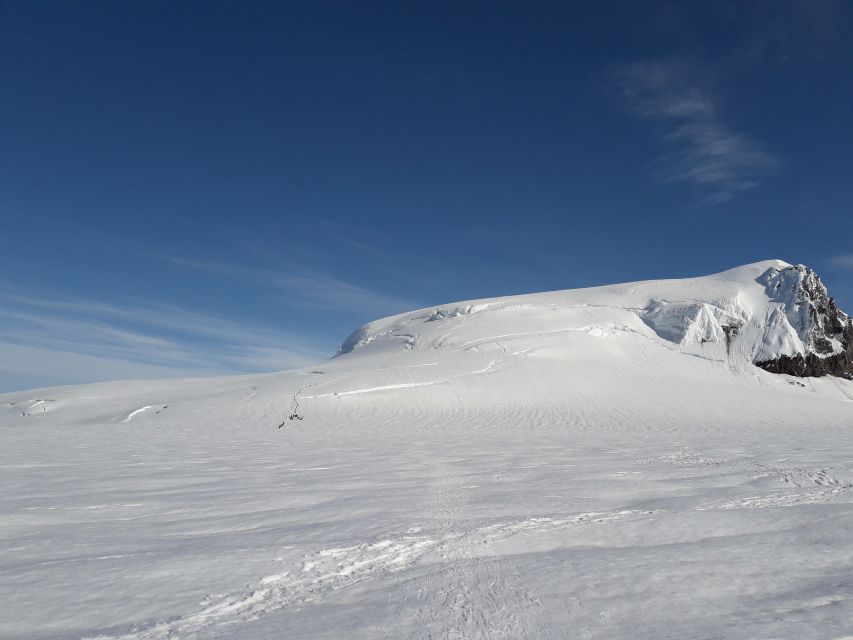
(812, 365)
(825, 331)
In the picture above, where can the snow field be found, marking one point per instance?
(546, 466)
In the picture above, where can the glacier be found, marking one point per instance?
(628, 461)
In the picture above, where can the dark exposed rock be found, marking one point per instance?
(812, 365)
(825, 330)
(822, 345)
(730, 331)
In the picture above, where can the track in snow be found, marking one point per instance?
(466, 595)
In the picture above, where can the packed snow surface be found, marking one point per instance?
(597, 463)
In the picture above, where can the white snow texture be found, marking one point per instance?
(596, 463)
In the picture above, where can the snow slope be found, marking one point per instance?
(597, 463)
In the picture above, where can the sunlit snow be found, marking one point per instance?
(596, 463)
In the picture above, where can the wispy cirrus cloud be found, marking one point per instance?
(309, 289)
(844, 262)
(706, 151)
(49, 339)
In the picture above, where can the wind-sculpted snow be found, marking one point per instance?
(602, 463)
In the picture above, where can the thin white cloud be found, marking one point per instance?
(310, 289)
(351, 236)
(707, 152)
(842, 262)
(50, 340)
(25, 366)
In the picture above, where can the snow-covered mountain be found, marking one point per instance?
(771, 314)
(630, 461)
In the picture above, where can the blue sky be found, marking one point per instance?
(203, 188)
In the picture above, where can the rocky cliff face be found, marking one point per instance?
(825, 331)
